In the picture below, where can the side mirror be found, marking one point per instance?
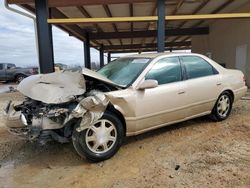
(147, 84)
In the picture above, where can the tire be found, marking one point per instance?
(19, 78)
(222, 107)
(102, 140)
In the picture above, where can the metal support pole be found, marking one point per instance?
(101, 56)
(87, 59)
(109, 57)
(44, 36)
(161, 25)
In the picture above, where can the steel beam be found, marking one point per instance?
(161, 25)
(148, 18)
(148, 50)
(149, 33)
(109, 14)
(74, 29)
(87, 58)
(44, 35)
(101, 51)
(109, 57)
(221, 7)
(67, 3)
(138, 46)
(214, 12)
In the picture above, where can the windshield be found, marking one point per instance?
(124, 71)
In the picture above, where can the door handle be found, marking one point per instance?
(181, 92)
(219, 84)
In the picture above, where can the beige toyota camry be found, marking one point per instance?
(127, 97)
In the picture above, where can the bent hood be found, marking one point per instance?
(58, 87)
(55, 88)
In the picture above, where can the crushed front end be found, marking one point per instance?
(40, 121)
(55, 103)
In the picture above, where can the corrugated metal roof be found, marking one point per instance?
(143, 9)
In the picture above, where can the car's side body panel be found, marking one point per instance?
(202, 94)
(159, 105)
(166, 104)
(233, 80)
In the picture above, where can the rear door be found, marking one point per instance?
(203, 84)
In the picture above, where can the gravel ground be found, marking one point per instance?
(196, 153)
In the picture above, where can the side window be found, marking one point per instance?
(197, 67)
(10, 66)
(166, 70)
(1, 66)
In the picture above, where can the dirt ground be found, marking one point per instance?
(196, 153)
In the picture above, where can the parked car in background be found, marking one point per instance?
(129, 96)
(9, 72)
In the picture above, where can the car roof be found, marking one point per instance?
(154, 55)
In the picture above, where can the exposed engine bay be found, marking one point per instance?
(56, 104)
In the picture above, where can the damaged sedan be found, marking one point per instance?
(129, 96)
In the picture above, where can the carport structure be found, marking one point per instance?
(118, 26)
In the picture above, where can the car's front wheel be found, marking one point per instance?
(101, 140)
(223, 107)
(19, 78)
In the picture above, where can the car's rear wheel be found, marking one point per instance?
(223, 107)
(101, 140)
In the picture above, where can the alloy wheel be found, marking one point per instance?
(101, 136)
(223, 105)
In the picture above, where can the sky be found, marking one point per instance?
(18, 43)
(18, 46)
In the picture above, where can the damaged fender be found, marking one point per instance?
(90, 109)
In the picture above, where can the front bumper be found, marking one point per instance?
(39, 128)
(12, 118)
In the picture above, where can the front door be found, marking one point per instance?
(165, 103)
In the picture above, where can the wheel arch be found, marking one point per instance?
(112, 109)
(19, 74)
(231, 93)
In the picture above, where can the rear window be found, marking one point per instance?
(197, 67)
(11, 66)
